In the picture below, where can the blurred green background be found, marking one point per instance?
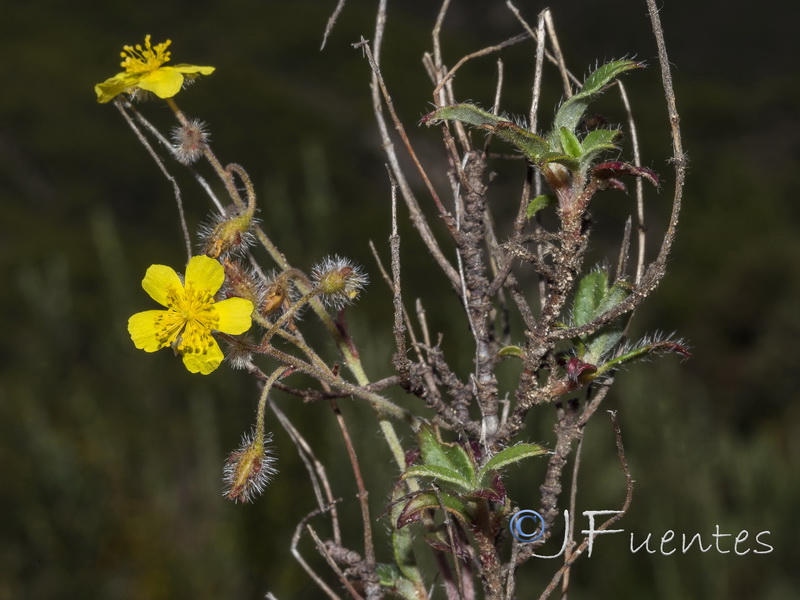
(111, 458)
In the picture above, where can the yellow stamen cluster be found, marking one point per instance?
(191, 311)
(144, 60)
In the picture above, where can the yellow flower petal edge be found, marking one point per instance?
(142, 328)
(204, 363)
(205, 272)
(234, 315)
(191, 314)
(144, 69)
(159, 281)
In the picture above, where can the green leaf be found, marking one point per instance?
(613, 296)
(530, 144)
(389, 577)
(594, 297)
(403, 551)
(511, 350)
(466, 113)
(591, 291)
(507, 457)
(605, 73)
(414, 508)
(570, 144)
(440, 474)
(387, 574)
(602, 342)
(595, 143)
(438, 454)
(571, 111)
(642, 351)
(600, 139)
(559, 157)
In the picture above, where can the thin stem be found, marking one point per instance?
(176, 189)
(637, 160)
(483, 52)
(262, 403)
(369, 549)
(224, 175)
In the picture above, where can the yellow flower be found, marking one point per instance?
(144, 70)
(191, 315)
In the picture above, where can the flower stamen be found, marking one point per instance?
(144, 60)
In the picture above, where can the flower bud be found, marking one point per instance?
(227, 234)
(338, 281)
(242, 283)
(189, 141)
(249, 469)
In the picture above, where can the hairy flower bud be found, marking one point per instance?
(242, 283)
(338, 280)
(228, 234)
(189, 141)
(249, 469)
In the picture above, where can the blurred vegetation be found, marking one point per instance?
(112, 459)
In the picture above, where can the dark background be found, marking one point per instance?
(111, 458)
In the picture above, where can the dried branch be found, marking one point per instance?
(417, 217)
(609, 522)
(331, 22)
(121, 106)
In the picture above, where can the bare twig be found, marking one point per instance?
(624, 249)
(306, 567)
(369, 549)
(331, 22)
(678, 156)
(316, 470)
(610, 521)
(417, 217)
(562, 67)
(120, 104)
(488, 50)
(637, 160)
(326, 555)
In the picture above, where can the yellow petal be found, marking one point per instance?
(205, 273)
(114, 86)
(206, 362)
(142, 327)
(164, 82)
(193, 69)
(159, 281)
(234, 315)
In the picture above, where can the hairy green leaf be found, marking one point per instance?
(642, 351)
(570, 143)
(602, 139)
(572, 110)
(593, 298)
(591, 290)
(403, 551)
(530, 144)
(599, 344)
(441, 475)
(511, 351)
(507, 457)
(438, 454)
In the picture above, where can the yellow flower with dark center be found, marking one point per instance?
(144, 69)
(191, 315)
